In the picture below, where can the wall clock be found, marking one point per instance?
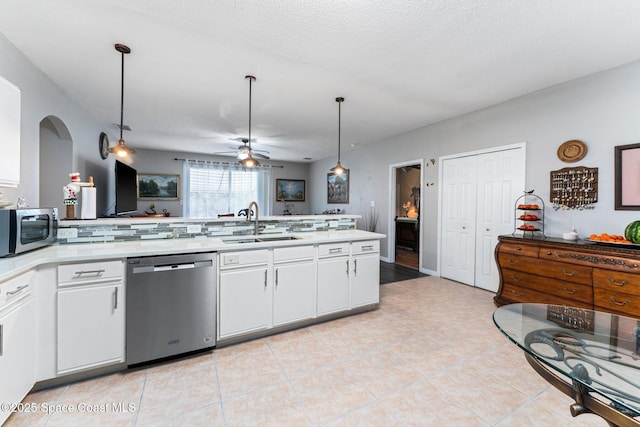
(103, 145)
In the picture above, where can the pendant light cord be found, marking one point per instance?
(121, 94)
(339, 125)
(250, 79)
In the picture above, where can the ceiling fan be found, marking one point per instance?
(243, 151)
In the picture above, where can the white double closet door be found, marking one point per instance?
(477, 205)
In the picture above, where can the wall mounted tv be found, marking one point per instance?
(126, 189)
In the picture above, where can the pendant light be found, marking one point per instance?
(248, 161)
(121, 150)
(338, 169)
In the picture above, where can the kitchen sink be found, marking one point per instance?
(259, 239)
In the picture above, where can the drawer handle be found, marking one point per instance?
(613, 300)
(512, 262)
(549, 252)
(335, 250)
(367, 248)
(518, 248)
(573, 273)
(516, 278)
(95, 272)
(564, 288)
(517, 293)
(18, 289)
(613, 282)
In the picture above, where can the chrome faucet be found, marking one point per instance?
(254, 203)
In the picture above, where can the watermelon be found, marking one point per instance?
(632, 232)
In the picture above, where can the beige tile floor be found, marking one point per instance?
(430, 356)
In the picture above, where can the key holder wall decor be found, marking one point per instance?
(574, 188)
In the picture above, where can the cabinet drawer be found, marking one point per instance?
(234, 259)
(365, 246)
(515, 293)
(616, 281)
(592, 259)
(542, 267)
(333, 249)
(69, 274)
(618, 302)
(14, 289)
(293, 253)
(516, 248)
(566, 291)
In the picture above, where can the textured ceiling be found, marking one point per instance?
(400, 64)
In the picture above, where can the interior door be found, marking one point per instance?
(458, 219)
(500, 182)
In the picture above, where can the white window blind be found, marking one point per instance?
(214, 188)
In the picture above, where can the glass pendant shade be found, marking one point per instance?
(338, 169)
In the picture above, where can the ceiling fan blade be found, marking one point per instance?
(260, 156)
(226, 153)
(259, 151)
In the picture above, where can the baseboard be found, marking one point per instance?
(384, 259)
(429, 272)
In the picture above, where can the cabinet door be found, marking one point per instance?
(90, 326)
(365, 280)
(333, 285)
(17, 354)
(293, 292)
(243, 302)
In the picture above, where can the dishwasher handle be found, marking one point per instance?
(172, 267)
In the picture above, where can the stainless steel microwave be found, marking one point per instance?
(22, 230)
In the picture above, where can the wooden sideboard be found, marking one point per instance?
(579, 274)
(407, 232)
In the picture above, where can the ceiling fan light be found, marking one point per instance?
(249, 162)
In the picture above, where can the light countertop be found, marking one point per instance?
(13, 266)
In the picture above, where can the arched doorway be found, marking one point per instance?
(56, 162)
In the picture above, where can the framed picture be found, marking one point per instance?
(627, 177)
(338, 187)
(290, 190)
(158, 187)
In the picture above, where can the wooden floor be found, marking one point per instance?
(390, 273)
(407, 257)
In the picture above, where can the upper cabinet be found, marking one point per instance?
(9, 134)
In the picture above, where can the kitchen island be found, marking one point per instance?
(73, 304)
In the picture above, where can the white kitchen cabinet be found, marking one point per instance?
(17, 342)
(294, 284)
(244, 297)
(91, 311)
(333, 277)
(244, 293)
(365, 273)
(9, 134)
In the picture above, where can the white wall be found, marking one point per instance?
(40, 98)
(602, 110)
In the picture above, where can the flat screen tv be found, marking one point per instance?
(126, 189)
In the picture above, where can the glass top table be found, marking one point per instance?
(591, 356)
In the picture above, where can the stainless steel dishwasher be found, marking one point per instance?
(171, 305)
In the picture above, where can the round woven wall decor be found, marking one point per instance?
(572, 151)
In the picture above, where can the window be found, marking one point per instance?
(214, 188)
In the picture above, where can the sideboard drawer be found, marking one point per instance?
(566, 292)
(616, 281)
(541, 267)
(592, 259)
(514, 293)
(516, 248)
(620, 302)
